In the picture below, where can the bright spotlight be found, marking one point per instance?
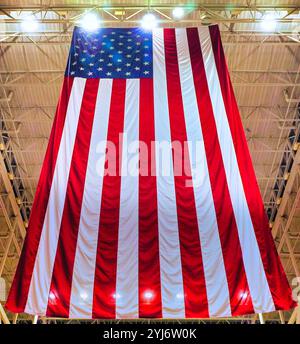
(268, 23)
(178, 12)
(149, 21)
(29, 24)
(90, 21)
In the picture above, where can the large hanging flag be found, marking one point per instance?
(147, 204)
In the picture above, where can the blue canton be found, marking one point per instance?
(111, 53)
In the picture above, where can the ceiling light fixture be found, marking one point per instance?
(178, 12)
(149, 21)
(90, 21)
(29, 24)
(269, 22)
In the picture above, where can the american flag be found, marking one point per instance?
(138, 239)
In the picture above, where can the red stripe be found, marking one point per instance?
(232, 255)
(195, 296)
(104, 303)
(64, 261)
(19, 291)
(149, 266)
(277, 280)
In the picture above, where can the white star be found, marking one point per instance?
(128, 55)
(138, 43)
(91, 64)
(83, 59)
(127, 73)
(129, 47)
(109, 64)
(101, 60)
(128, 64)
(120, 52)
(76, 54)
(111, 48)
(120, 43)
(108, 73)
(101, 51)
(72, 73)
(146, 55)
(81, 68)
(74, 63)
(146, 72)
(110, 55)
(84, 50)
(103, 43)
(90, 73)
(137, 68)
(136, 59)
(146, 63)
(93, 55)
(119, 60)
(99, 69)
(118, 69)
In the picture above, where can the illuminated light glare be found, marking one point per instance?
(268, 23)
(244, 295)
(148, 295)
(52, 296)
(29, 24)
(149, 21)
(83, 295)
(90, 22)
(179, 296)
(178, 12)
(116, 296)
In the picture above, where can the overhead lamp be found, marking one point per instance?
(29, 24)
(178, 12)
(149, 21)
(90, 21)
(269, 22)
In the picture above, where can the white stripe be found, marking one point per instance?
(169, 247)
(42, 273)
(257, 281)
(127, 262)
(213, 264)
(81, 302)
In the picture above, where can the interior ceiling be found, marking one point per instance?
(264, 69)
